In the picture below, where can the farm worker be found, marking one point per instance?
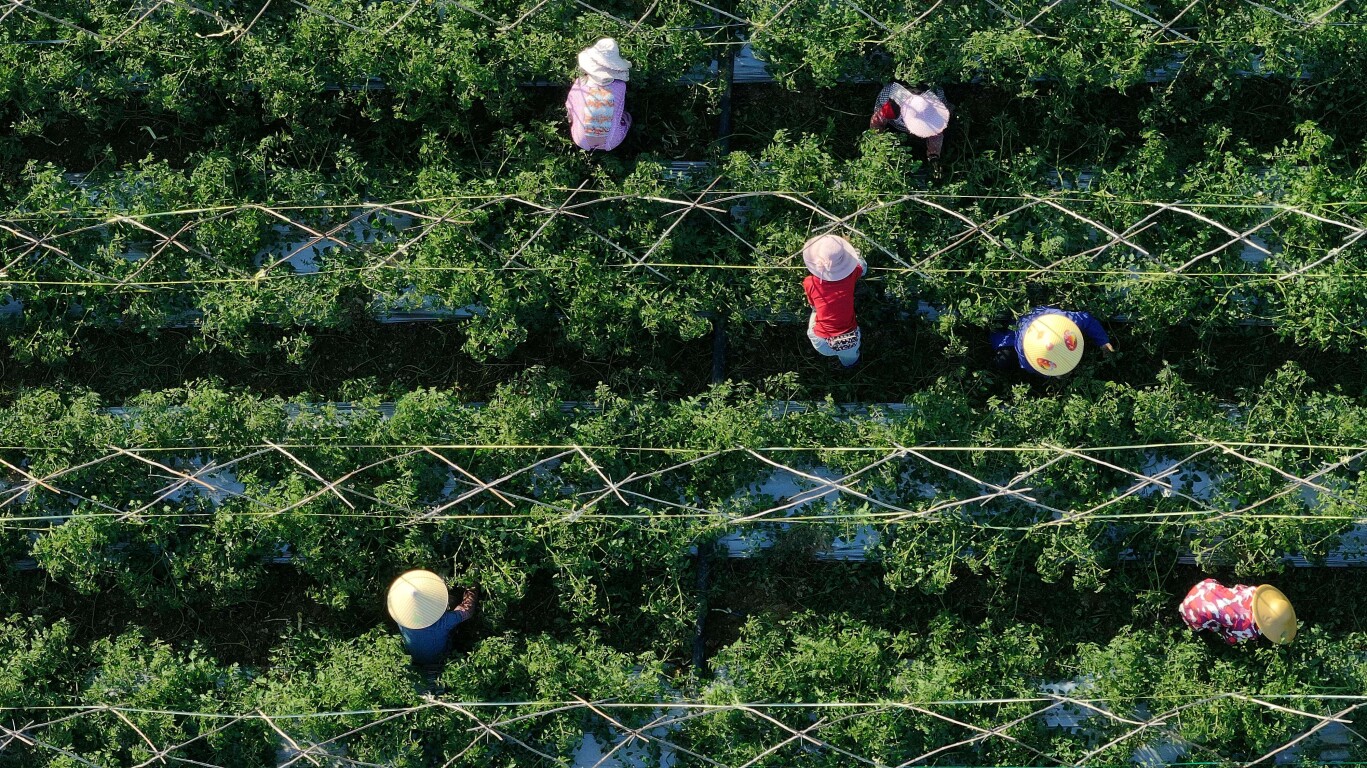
(1049, 341)
(1240, 613)
(921, 112)
(418, 602)
(835, 266)
(597, 100)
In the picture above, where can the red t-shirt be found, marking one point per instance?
(833, 301)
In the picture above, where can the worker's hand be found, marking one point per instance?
(467, 603)
(877, 123)
(1109, 347)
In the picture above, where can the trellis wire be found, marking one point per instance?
(471, 486)
(672, 715)
(237, 31)
(708, 201)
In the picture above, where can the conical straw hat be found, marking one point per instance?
(1052, 344)
(1273, 614)
(417, 599)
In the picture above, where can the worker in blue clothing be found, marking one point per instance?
(419, 602)
(1049, 341)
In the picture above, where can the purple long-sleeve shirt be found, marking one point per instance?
(1090, 327)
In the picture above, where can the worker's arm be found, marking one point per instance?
(1091, 329)
(885, 110)
(467, 605)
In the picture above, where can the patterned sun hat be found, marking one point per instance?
(830, 257)
(1273, 614)
(417, 599)
(1053, 344)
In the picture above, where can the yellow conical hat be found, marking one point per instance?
(1052, 344)
(1273, 614)
(417, 599)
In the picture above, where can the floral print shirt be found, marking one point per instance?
(1228, 611)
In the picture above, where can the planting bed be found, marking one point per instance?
(299, 296)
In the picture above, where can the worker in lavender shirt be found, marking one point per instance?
(597, 100)
(420, 604)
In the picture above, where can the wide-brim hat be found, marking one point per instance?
(925, 115)
(1052, 344)
(603, 62)
(417, 599)
(1273, 614)
(830, 257)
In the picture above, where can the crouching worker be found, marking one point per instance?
(597, 100)
(1240, 613)
(921, 113)
(419, 602)
(835, 267)
(1049, 341)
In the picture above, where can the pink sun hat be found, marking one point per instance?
(830, 257)
(925, 115)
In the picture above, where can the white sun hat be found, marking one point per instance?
(417, 599)
(925, 115)
(603, 62)
(830, 257)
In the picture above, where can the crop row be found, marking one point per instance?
(78, 58)
(617, 258)
(1083, 45)
(888, 697)
(190, 496)
(195, 64)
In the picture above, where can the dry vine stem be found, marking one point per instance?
(678, 715)
(382, 256)
(785, 510)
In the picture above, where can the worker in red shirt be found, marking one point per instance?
(835, 266)
(1240, 612)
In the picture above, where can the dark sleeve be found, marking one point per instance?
(1090, 327)
(452, 619)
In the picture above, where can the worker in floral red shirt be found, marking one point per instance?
(835, 267)
(1240, 613)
